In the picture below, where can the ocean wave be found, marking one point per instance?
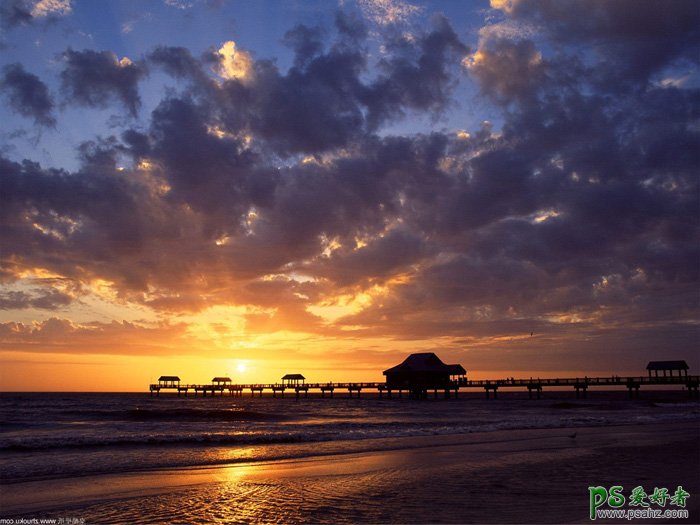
(304, 433)
(202, 414)
(169, 414)
(151, 441)
(677, 404)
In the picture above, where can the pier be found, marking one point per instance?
(491, 387)
(422, 373)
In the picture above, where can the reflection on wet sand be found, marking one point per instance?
(494, 477)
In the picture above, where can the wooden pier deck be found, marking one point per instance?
(490, 386)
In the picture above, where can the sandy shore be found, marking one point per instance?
(526, 476)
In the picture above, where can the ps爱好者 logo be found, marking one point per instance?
(638, 504)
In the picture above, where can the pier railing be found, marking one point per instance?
(570, 381)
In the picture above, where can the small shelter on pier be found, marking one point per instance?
(221, 381)
(168, 381)
(422, 372)
(293, 379)
(670, 366)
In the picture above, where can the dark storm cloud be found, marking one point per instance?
(179, 63)
(584, 204)
(324, 101)
(95, 78)
(15, 12)
(351, 27)
(52, 300)
(306, 42)
(416, 74)
(117, 338)
(341, 199)
(76, 222)
(382, 258)
(313, 107)
(27, 94)
(509, 71)
(137, 143)
(631, 40)
(214, 175)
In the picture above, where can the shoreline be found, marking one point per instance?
(280, 451)
(493, 457)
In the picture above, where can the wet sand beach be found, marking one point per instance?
(523, 476)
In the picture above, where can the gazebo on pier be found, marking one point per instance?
(291, 380)
(221, 381)
(168, 381)
(670, 366)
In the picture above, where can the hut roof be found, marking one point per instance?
(667, 365)
(221, 380)
(457, 370)
(168, 378)
(293, 376)
(426, 362)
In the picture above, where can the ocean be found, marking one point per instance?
(67, 435)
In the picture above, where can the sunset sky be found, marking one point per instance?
(250, 188)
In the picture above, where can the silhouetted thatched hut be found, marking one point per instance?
(421, 372)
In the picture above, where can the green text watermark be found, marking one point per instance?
(637, 504)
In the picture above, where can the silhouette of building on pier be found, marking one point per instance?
(292, 380)
(168, 381)
(422, 372)
(667, 366)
